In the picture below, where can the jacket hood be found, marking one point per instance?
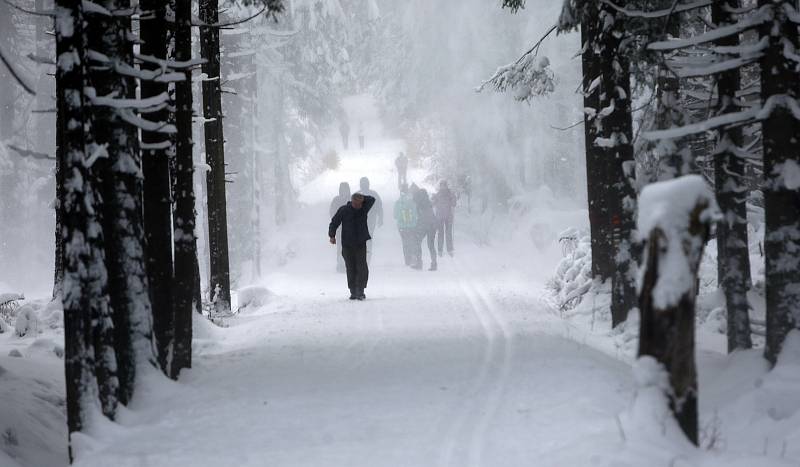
(344, 190)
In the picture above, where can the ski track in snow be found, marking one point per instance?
(429, 371)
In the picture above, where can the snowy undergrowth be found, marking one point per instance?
(749, 414)
(32, 415)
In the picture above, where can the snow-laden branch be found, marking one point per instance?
(172, 64)
(128, 116)
(527, 77)
(712, 36)
(750, 115)
(717, 67)
(28, 153)
(91, 7)
(658, 13)
(112, 101)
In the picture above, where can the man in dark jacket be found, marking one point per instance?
(336, 203)
(355, 234)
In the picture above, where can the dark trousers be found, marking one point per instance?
(422, 235)
(355, 260)
(408, 237)
(445, 231)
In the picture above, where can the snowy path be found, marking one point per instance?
(463, 367)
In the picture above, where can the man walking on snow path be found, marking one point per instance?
(355, 234)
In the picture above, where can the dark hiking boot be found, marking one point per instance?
(353, 295)
(361, 296)
(433, 267)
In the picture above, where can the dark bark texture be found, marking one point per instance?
(186, 293)
(157, 201)
(779, 88)
(667, 332)
(219, 277)
(733, 258)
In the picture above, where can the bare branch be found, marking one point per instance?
(15, 74)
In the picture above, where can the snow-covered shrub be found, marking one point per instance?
(4, 326)
(9, 303)
(573, 277)
(253, 297)
(27, 323)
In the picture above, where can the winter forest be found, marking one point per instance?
(365, 233)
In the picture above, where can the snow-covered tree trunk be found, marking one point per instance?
(674, 219)
(85, 299)
(780, 130)
(615, 142)
(596, 163)
(219, 278)
(733, 258)
(120, 173)
(186, 292)
(156, 151)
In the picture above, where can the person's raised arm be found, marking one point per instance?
(369, 201)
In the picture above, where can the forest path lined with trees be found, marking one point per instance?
(460, 367)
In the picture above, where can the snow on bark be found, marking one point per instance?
(85, 299)
(780, 127)
(122, 194)
(674, 220)
(733, 257)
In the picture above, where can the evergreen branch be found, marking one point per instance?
(658, 13)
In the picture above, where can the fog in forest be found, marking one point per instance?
(418, 62)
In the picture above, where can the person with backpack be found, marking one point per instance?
(444, 202)
(426, 229)
(405, 215)
(337, 202)
(352, 217)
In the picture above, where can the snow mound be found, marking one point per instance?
(27, 323)
(253, 297)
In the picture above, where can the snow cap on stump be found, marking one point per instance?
(668, 206)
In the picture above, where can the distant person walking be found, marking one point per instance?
(426, 229)
(338, 201)
(344, 130)
(361, 135)
(444, 203)
(406, 218)
(401, 163)
(352, 217)
(375, 219)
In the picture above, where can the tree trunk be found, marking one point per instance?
(85, 297)
(158, 189)
(733, 258)
(219, 278)
(122, 199)
(667, 316)
(602, 257)
(779, 87)
(614, 142)
(187, 279)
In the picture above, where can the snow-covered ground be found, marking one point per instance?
(467, 366)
